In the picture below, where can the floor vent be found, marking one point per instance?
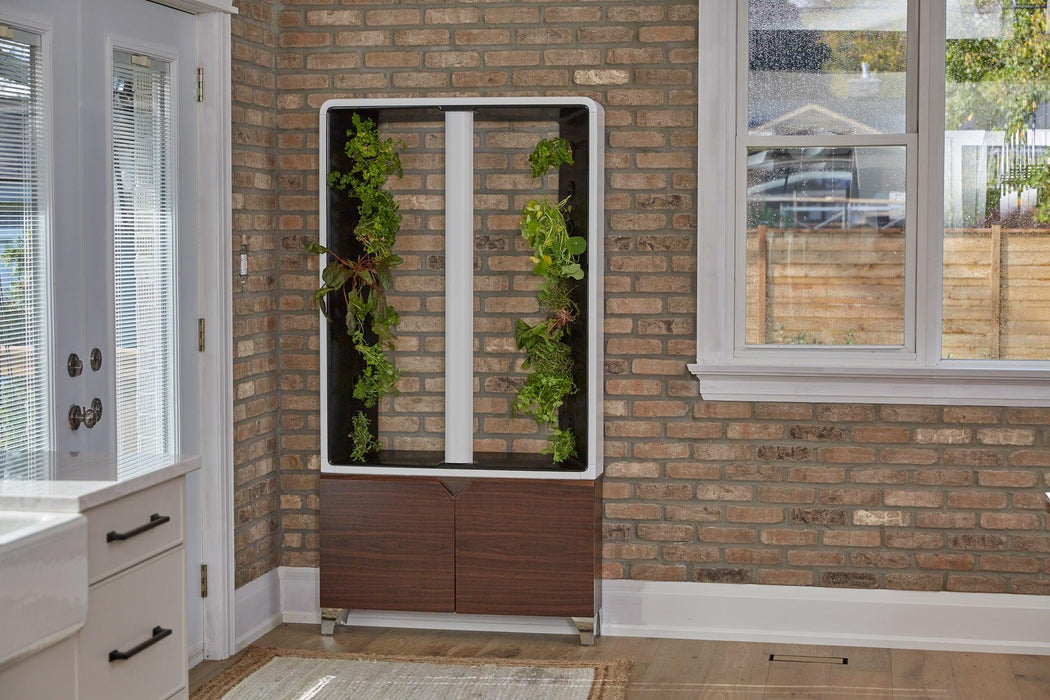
(798, 659)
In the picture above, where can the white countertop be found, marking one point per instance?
(71, 482)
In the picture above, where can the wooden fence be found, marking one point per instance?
(836, 287)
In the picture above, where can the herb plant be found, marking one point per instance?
(555, 258)
(362, 281)
(364, 443)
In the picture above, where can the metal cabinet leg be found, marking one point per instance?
(588, 629)
(329, 618)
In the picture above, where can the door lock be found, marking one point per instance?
(88, 415)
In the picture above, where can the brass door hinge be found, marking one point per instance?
(200, 85)
(204, 580)
(200, 335)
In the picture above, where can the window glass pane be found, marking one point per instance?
(997, 183)
(143, 254)
(827, 67)
(825, 246)
(23, 248)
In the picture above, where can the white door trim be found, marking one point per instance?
(215, 238)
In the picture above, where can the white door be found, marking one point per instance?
(115, 226)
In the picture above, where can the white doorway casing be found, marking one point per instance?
(216, 295)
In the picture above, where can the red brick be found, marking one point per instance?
(693, 513)
(976, 500)
(738, 535)
(914, 582)
(1005, 436)
(657, 572)
(783, 411)
(784, 577)
(963, 521)
(690, 553)
(1014, 564)
(976, 584)
(943, 477)
(815, 558)
(915, 499)
(1009, 521)
(880, 560)
(754, 431)
(666, 532)
(914, 540)
(852, 538)
(952, 562)
(1007, 479)
(719, 409)
(767, 557)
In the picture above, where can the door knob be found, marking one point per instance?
(89, 416)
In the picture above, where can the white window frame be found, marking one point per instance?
(912, 374)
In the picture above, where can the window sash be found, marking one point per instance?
(25, 348)
(745, 140)
(143, 254)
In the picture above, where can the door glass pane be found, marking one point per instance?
(997, 183)
(827, 67)
(143, 248)
(825, 246)
(24, 348)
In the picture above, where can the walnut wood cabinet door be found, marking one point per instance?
(528, 547)
(387, 544)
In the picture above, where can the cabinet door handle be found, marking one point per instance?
(159, 633)
(154, 521)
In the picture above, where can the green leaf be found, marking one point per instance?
(573, 271)
(315, 247)
(541, 268)
(576, 245)
(335, 275)
(550, 153)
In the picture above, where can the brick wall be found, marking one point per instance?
(831, 495)
(842, 495)
(255, 312)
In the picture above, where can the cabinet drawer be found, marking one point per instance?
(131, 529)
(124, 612)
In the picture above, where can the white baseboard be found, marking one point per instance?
(257, 606)
(195, 655)
(1018, 624)
(300, 594)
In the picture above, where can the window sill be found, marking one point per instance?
(942, 386)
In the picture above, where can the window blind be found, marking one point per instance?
(24, 381)
(143, 254)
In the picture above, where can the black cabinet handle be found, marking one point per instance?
(154, 521)
(159, 633)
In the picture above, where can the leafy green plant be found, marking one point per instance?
(548, 357)
(549, 153)
(362, 281)
(364, 442)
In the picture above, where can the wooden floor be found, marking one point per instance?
(673, 669)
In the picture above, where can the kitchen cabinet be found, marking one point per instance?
(133, 644)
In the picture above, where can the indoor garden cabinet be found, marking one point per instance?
(460, 486)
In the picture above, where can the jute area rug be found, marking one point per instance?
(291, 674)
